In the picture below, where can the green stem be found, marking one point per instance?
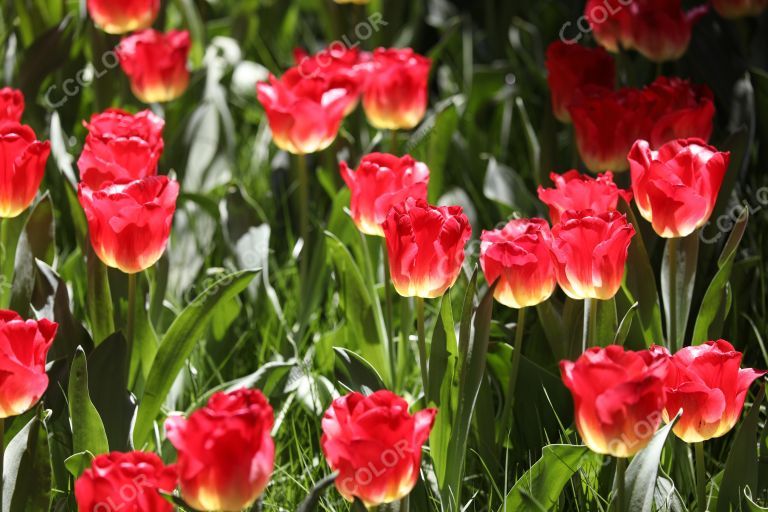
(672, 328)
(422, 340)
(130, 328)
(388, 309)
(393, 145)
(381, 326)
(621, 469)
(701, 478)
(507, 412)
(303, 176)
(8, 252)
(589, 324)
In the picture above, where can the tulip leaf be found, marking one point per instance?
(540, 487)
(312, 500)
(182, 337)
(625, 325)
(551, 322)
(88, 432)
(78, 462)
(640, 284)
(355, 373)
(741, 466)
(640, 478)
(678, 276)
(606, 321)
(99, 303)
(27, 474)
(717, 289)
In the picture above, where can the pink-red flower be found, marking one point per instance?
(304, 113)
(123, 16)
(380, 182)
(375, 445)
(658, 29)
(519, 256)
(128, 482)
(425, 244)
(606, 123)
(676, 187)
(570, 67)
(396, 95)
(679, 110)
(590, 252)
(225, 450)
(24, 347)
(11, 105)
(129, 223)
(121, 147)
(618, 397)
(708, 385)
(343, 67)
(22, 167)
(576, 191)
(156, 64)
(739, 8)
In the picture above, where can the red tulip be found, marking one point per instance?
(659, 29)
(129, 223)
(395, 96)
(573, 66)
(607, 123)
(24, 347)
(520, 257)
(225, 450)
(676, 187)
(375, 446)
(24, 159)
(156, 64)
(679, 110)
(425, 244)
(304, 113)
(381, 182)
(121, 147)
(590, 252)
(124, 16)
(706, 382)
(126, 482)
(11, 105)
(739, 8)
(618, 397)
(576, 191)
(343, 68)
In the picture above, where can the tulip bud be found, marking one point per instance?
(381, 182)
(11, 105)
(124, 16)
(519, 256)
(679, 110)
(24, 159)
(375, 446)
(676, 187)
(576, 191)
(342, 67)
(24, 347)
(425, 244)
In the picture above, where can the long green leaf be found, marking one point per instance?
(88, 432)
(678, 276)
(182, 336)
(27, 469)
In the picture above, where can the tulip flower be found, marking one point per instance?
(124, 16)
(381, 182)
(733, 9)
(576, 191)
(121, 147)
(425, 244)
(304, 113)
(618, 397)
(225, 450)
(679, 110)
(374, 444)
(24, 347)
(590, 252)
(676, 187)
(658, 29)
(156, 64)
(708, 385)
(570, 67)
(129, 223)
(125, 481)
(11, 105)
(519, 256)
(395, 96)
(343, 68)
(606, 123)
(24, 159)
